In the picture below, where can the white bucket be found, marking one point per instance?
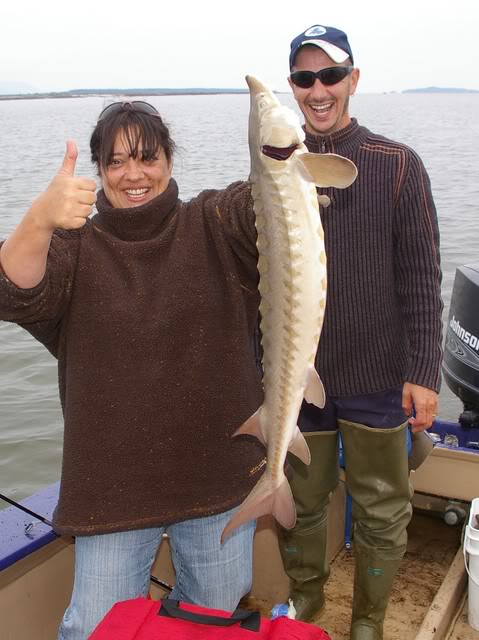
(471, 556)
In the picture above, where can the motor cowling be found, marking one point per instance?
(461, 354)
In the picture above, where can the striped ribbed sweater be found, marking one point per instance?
(383, 321)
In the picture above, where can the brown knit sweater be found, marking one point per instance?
(383, 315)
(151, 313)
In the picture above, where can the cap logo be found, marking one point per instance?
(315, 31)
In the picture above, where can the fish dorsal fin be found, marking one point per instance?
(252, 427)
(329, 169)
(299, 447)
(314, 392)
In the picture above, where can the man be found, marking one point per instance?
(380, 349)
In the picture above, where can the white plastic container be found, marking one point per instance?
(471, 556)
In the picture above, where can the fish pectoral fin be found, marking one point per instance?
(252, 427)
(263, 500)
(329, 169)
(314, 392)
(299, 447)
(324, 201)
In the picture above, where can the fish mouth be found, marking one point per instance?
(278, 153)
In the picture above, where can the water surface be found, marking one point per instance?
(211, 132)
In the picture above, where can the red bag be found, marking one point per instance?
(143, 619)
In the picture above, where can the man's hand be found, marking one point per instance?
(424, 401)
(68, 200)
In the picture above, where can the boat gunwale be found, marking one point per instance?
(16, 542)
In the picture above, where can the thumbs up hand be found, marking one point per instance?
(69, 161)
(68, 200)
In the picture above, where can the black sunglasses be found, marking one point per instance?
(135, 105)
(328, 76)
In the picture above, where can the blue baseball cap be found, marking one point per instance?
(332, 41)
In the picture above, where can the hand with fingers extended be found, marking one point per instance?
(423, 401)
(68, 200)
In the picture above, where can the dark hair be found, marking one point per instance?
(138, 127)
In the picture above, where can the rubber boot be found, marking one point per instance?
(377, 478)
(304, 548)
(373, 579)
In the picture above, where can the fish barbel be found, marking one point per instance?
(292, 268)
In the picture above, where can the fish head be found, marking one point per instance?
(274, 130)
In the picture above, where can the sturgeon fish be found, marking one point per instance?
(292, 268)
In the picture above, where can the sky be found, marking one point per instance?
(57, 45)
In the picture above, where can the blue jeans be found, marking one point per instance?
(116, 566)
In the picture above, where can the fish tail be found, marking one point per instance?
(265, 498)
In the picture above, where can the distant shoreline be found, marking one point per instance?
(128, 93)
(440, 90)
(132, 93)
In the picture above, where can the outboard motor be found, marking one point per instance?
(461, 354)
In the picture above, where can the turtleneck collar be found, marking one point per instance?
(136, 223)
(343, 139)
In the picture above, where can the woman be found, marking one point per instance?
(150, 307)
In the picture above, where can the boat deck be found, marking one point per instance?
(432, 546)
(460, 629)
(432, 550)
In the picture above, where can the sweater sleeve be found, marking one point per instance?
(232, 210)
(40, 309)
(418, 273)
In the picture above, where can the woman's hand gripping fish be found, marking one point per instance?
(292, 268)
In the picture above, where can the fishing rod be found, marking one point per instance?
(30, 513)
(28, 528)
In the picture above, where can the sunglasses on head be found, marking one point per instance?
(135, 105)
(328, 76)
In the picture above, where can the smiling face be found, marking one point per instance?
(132, 179)
(325, 108)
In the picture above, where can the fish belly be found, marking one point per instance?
(292, 266)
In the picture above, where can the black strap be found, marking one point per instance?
(249, 620)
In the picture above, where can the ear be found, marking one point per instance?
(291, 84)
(354, 81)
(328, 169)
